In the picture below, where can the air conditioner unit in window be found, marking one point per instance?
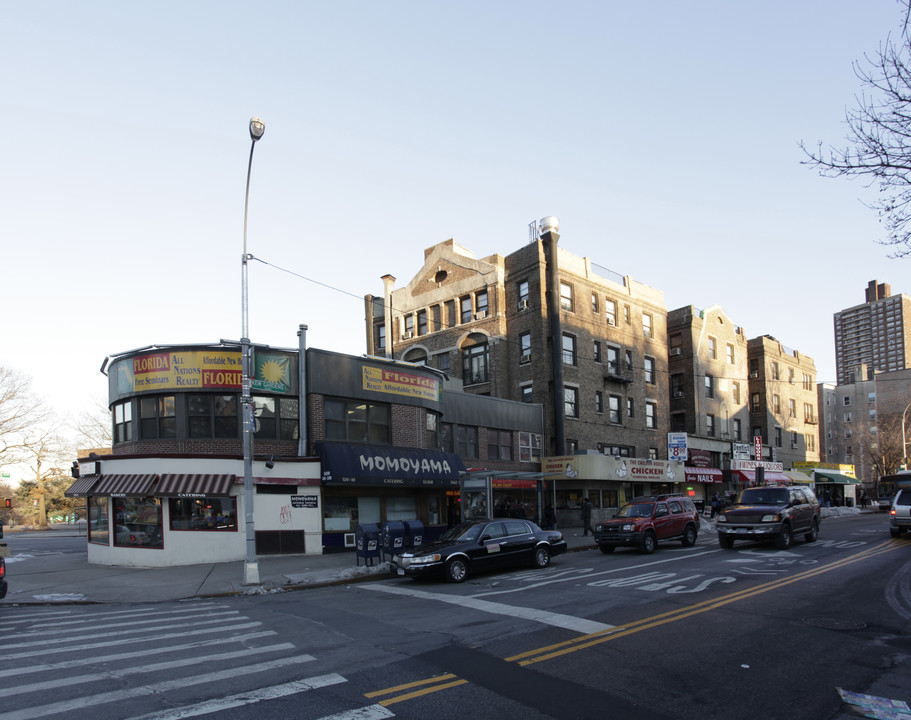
(611, 321)
(678, 393)
(523, 304)
(525, 358)
(754, 375)
(407, 335)
(793, 446)
(480, 315)
(676, 351)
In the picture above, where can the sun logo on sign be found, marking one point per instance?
(272, 371)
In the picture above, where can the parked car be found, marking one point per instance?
(3, 583)
(900, 513)
(645, 521)
(769, 513)
(475, 547)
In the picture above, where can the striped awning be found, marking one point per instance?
(82, 487)
(133, 485)
(190, 485)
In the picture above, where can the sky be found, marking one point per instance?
(664, 135)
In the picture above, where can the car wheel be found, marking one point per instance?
(606, 549)
(895, 532)
(456, 570)
(783, 539)
(814, 532)
(649, 543)
(725, 542)
(689, 536)
(542, 557)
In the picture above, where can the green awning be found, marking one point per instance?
(833, 477)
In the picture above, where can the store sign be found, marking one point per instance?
(676, 446)
(305, 501)
(395, 382)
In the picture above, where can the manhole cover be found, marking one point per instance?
(835, 623)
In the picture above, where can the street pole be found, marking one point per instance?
(904, 441)
(251, 564)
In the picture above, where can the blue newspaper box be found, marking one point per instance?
(393, 538)
(367, 543)
(414, 534)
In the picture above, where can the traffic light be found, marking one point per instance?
(7, 502)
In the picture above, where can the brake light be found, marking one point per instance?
(892, 511)
(2, 568)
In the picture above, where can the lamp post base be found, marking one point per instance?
(251, 573)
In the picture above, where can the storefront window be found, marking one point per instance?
(98, 521)
(569, 499)
(401, 508)
(218, 513)
(137, 522)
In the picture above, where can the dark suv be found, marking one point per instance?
(643, 521)
(770, 513)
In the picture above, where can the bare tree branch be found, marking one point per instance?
(21, 413)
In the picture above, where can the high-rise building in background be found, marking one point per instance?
(876, 334)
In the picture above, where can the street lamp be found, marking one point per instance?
(904, 441)
(251, 564)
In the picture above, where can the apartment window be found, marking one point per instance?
(735, 393)
(677, 385)
(754, 403)
(451, 313)
(481, 303)
(409, 325)
(422, 322)
(525, 347)
(629, 408)
(713, 353)
(614, 409)
(794, 443)
(627, 315)
(465, 305)
(774, 371)
(597, 351)
(379, 336)
(847, 401)
(848, 417)
(571, 401)
(710, 425)
(754, 368)
(738, 431)
(499, 444)
(436, 314)
(730, 354)
(475, 363)
(810, 440)
(569, 350)
(778, 437)
(529, 447)
(776, 404)
(523, 294)
(808, 413)
(443, 362)
(676, 344)
(357, 421)
(791, 375)
(213, 416)
(610, 311)
(157, 417)
(678, 422)
(526, 393)
(566, 296)
(613, 360)
(871, 397)
(599, 402)
(709, 386)
(646, 325)
(651, 415)
(466, 441)
(649, 364)
(595, 303)
(628, 361)
(807, 382)
(792, 408)
(123, 422)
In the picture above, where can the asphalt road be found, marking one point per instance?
(695, 632)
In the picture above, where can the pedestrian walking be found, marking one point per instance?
(550, 518)
(587, 517)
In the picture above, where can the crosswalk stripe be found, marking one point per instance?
(247, 698)
(48, 650)
(144, 653)
(140, 669)
(80, 703)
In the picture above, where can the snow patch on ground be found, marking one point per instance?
(61, 598)
(18, 557)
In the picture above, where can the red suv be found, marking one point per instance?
(644, 521)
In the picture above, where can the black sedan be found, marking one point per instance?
(480, 547)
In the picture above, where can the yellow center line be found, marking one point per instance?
(585, 641)
(419, 693)
(408, 686)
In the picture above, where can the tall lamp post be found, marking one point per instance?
(251, 564)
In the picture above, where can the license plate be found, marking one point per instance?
(400, 571)
(742, 531)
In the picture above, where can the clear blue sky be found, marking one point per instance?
(664, 135)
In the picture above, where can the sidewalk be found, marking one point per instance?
(70, 578)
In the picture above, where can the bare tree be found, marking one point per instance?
(879, 137)
(21, 414)
(92, 429)
(883, 448)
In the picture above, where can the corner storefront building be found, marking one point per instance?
(339, 441)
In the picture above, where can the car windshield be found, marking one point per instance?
(465, 532)
(764, 496)
(637, 510)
